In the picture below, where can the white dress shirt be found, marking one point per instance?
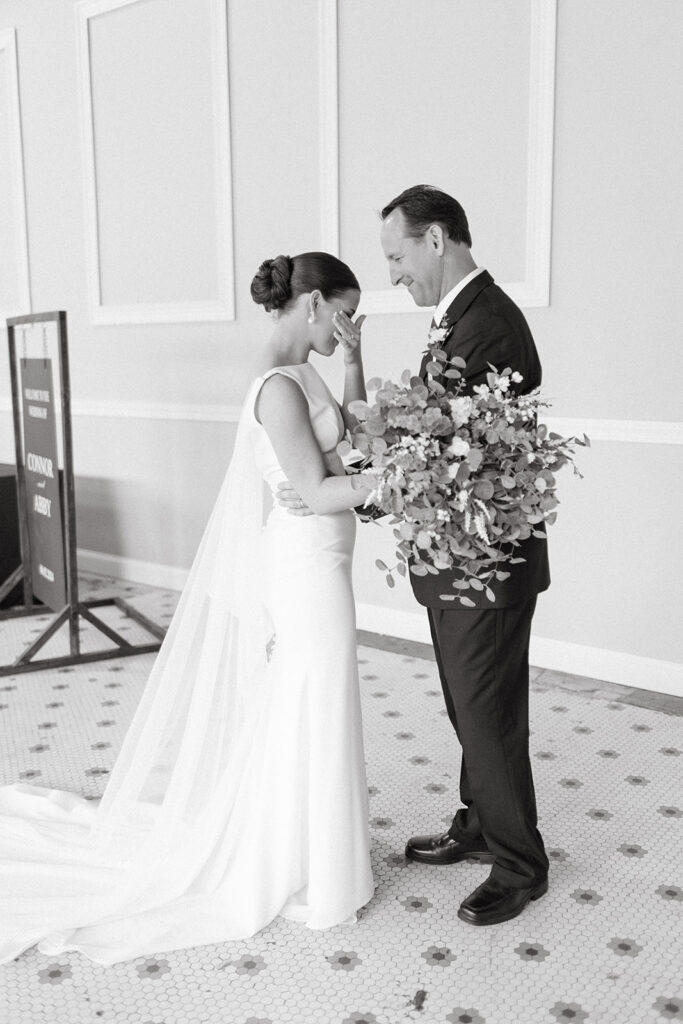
(446, 301)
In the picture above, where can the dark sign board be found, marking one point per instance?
(43, 500)
(46, 503)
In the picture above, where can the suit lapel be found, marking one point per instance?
(464, 299)
(458, 306)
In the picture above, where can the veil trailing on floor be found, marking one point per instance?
(99, 877)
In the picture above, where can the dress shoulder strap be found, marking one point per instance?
(294, 372)
(285, 371)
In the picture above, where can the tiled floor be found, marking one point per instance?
(603, 946)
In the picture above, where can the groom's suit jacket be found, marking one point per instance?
(487, 327)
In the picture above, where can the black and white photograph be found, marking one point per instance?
(341, 462)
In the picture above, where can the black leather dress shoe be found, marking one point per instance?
(443, 849)
(492, 903)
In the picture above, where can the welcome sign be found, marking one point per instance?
(43, 500)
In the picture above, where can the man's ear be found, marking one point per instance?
(436, 238)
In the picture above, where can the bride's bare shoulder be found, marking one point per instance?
(279, 396)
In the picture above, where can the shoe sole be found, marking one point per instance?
(539, 891)
(424, 858)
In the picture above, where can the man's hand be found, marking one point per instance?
(288, 498)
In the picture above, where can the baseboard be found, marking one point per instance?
(612, 666)
(154, 574)
(577, 659)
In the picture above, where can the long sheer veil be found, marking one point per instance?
(67, 865)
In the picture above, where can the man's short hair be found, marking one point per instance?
(422, 205)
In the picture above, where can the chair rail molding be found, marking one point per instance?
(17, 194)
(601, 430)
(534, 290)
(222, 308)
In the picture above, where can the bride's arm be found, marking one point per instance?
(283, 411)
(348, 334)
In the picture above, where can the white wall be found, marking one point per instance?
(151, 226)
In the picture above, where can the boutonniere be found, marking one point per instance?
(437, 337)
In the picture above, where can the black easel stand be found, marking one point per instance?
(74, 610)
(72, 614)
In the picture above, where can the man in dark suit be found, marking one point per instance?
(483, 652)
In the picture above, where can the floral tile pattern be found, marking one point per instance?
(602, 947)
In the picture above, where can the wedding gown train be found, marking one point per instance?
(240, 792)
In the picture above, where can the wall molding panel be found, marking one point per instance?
(328, 127)
(534, 290)
(17, 195)
(223, 308)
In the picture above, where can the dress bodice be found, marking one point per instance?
(324, 412)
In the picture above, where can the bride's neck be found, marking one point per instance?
(288, 345)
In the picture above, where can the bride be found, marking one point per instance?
(239, 793)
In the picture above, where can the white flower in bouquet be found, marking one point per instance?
(461, 409)
(458, 446)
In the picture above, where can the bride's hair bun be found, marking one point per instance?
(272, 284)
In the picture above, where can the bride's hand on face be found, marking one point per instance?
(347, 333)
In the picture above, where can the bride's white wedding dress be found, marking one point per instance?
(240, 791)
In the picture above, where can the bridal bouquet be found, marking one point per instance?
(466, 478)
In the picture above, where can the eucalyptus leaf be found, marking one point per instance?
(475, 457)
(484, 489)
